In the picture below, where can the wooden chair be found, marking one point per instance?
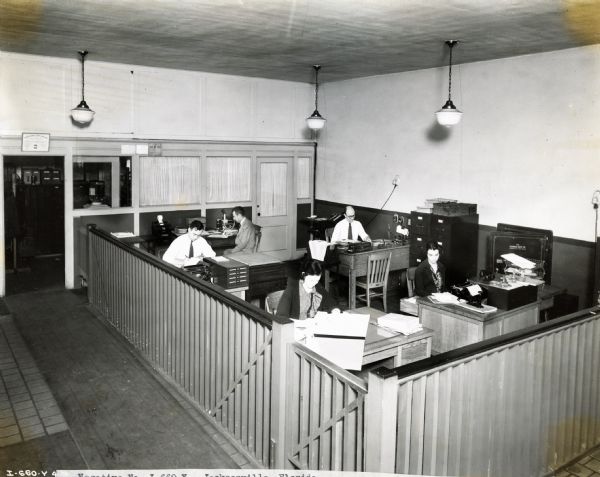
(378, 270)
(334, 270)
(257, 237)
(328, 234)
(410, 281)
(272, 301)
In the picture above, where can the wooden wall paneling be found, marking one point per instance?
(170, 181)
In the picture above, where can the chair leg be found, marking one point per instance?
(368, 297)
(384, 297)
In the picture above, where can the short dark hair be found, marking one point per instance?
(238, 209)
(196, 224)
(433, 246)
(311, 267)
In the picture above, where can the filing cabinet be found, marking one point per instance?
(457, 237)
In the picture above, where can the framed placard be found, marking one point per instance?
(35, 142)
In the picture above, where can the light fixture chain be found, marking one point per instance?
(450, 75)
(316, 88)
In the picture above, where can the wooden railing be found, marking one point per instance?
(523, 403)
(226, 355)
(325, 409)
(520, 404)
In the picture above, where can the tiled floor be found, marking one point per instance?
(120, 414)
(27, 407)
(588, 466)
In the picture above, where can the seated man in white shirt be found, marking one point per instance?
(190, 248)
(349, 229)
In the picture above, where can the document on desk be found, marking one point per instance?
(407, 325)
(122, 234)
(220, 259)
(443, 298)
(340, 338)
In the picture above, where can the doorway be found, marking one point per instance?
(34, 228)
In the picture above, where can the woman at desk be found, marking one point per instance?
(303, 298)
(430, 274)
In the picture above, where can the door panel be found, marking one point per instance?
(274, 211)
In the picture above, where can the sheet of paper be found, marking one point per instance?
(346, 353)
(400, 323)
(318, 248)
(122, 234)
(474, 290)
(220, 259)
(342, 324)
(518, 260)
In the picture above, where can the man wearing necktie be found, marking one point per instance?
(349, 228)
(190, 248)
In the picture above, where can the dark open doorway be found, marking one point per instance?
(34, 224)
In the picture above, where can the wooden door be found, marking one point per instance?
(274, 205)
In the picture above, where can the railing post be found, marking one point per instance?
(380, 427)
(89, 272)
(283, 336)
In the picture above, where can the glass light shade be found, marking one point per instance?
(448, 115)
(82, 113)
(315, 120)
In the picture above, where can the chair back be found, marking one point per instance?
(257, 237)
(378, 269)
(272, 300)
(410, 281)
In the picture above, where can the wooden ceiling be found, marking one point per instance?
(281, 39)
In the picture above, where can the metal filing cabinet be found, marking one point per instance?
(457, 236)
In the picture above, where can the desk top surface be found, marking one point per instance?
(380, 248)
(467, 313)
(254, 259)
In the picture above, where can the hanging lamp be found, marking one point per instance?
(449, 115)
(315, 120)
(82, 113)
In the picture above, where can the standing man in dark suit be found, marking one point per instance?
(246, 236)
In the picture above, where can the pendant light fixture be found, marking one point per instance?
(315, 120)
(449, 115)
(82, 113)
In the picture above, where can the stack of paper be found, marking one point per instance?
(407, 325)
(518, 260)
(122, 234)
(445, 297)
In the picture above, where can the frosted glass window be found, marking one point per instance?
(303, 178)
(228, 179)
(170, 180)
(273, 189)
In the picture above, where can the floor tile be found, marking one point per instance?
(52, 420)
(60, 427)
(9, 431)
(593, 464)
(8, 441)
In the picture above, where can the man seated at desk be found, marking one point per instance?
(349, 229)
(430, 274)
(246, 236)
(190, 248)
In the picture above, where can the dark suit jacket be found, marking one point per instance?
(424, 284)
(246, 236)
(289, 304)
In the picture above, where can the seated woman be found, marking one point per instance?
(303, 298)
(430, 274)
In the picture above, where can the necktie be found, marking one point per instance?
(349, 231)
(191, 252)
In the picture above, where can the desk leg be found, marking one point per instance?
(352, 290)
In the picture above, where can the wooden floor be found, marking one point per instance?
(119, 414)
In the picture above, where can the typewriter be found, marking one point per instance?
(473, 294)
(356, 247)
(200, 270)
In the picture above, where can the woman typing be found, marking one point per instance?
(430, 274)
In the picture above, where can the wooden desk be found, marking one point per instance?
(455, 326)
(266, 273)
(383, 344)
(354, 265)
(546, 294)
